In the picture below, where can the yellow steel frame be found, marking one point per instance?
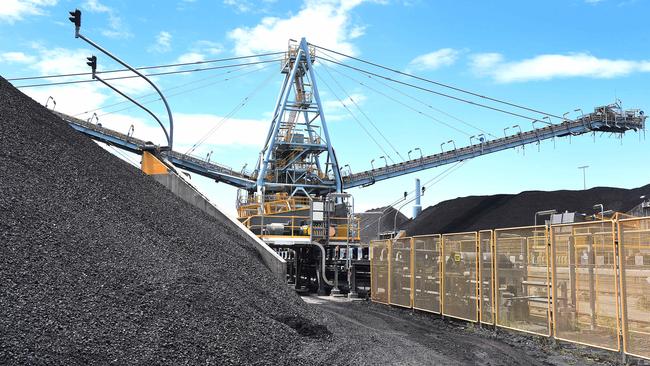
(549, 240)
(439, 237)
(573, 227)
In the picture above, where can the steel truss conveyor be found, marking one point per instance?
(604, 119)
(218, 172)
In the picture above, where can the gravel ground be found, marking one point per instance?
(99, 264)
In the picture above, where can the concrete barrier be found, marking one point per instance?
(183, 189)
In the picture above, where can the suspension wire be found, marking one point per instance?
(144, 67)
(354, 117)
(152, 74)
(124, 156)
(363, 113)
(436, 179)
(167, 89)
(403, 104)
(431, 91)
(185, 91)
(229, 115)
(426, 104)
(439, 83)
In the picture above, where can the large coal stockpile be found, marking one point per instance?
(101, 264)
(379, 220)
(507, 210)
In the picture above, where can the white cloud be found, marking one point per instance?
(594, 1)
(209, 47)
(116, 27)
(550, 66)
(163, 42)
(16, 57)
(325, 23)
(434, 60)
(190, 57)
(14, 10)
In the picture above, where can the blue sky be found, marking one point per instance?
(552, 55)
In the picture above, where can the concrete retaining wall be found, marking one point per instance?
(189, 194)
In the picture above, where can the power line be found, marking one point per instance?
(430, 91)
(168, 89)
(152, 74)
(181, 92)
(439, 83)
(143, 67)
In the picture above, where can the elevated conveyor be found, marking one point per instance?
(218, 172)
(604, 119)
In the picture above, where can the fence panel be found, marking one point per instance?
(585, 284)
(634, 256)
(460, 276)
(379, 255)
(400, 272)
(426, 269)
(485, 273)
(522, 279)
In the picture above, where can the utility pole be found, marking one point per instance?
(584, 176)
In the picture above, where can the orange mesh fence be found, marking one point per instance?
(485, 273)
(400, 272)
(585, 284)
(522, 279)
(426, 269)
(460, 276)
(379, 254)
(634, 255)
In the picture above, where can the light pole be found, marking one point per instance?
(584, 176)
(385, 160)
(545, 212)
(418, 149)
(372, 164)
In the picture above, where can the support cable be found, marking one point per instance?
(363, 113)
(229, 115)
(432, 91)
(438, 83)
(354, 117)
(403, 104)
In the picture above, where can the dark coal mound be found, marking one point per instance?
(379, 220)
(306, 327)
(101, 264)
(508, 210)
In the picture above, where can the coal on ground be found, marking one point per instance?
(99, 263)
(513, 210)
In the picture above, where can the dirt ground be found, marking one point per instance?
(366, 333)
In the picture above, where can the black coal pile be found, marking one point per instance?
(101, 264)
(508, 210)
(380, 220)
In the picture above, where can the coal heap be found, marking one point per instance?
(101, 264)
(512, 210)
(379, 220)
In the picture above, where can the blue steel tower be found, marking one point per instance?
(298, 158)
